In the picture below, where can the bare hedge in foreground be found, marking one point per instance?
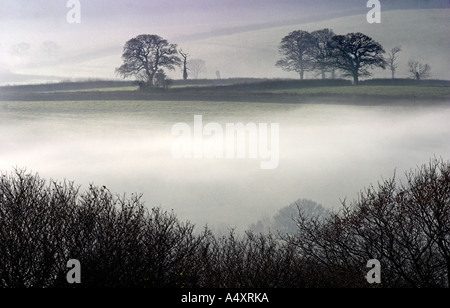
(406, 227)
(121, 243)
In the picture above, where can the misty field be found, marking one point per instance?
(126, 145)
(116, 150)
(115, 144)
(224, 145)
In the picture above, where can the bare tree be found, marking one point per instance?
(185, 68)
(321, 52)
(19, 51)
(49, 48)
(404, 226)
(196, 67)
(284, 221)
(418, 70)
(144, 55)
(355, 54)
(295, 50)
(392, 58)
(120, 242)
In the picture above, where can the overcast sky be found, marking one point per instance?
(176, 17)
(106, 24)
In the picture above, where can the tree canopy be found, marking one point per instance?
(144, 55)
(295, 50)
(321, 53)
(355, 53)
(419, 70)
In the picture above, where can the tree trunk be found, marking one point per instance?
(151, 79)
(355, 78)
(185, 73)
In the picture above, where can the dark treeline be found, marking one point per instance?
(121, 243)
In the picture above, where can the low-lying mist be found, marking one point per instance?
(327, 152)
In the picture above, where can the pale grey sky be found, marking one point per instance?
(106, 25)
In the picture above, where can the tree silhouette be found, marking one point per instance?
(144, 55)
(120, 242)
(196, 67)
(185, 68)
(418, 70)
(295, 50)
(20, 50)
(355, 54)
(392, 58)
(321, 51)
(406, 227)
(284, 221)
(49, 48)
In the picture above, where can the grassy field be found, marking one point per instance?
(387, 91)
(107, 89)
(292, 91)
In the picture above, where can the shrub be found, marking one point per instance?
(117, 240)
(121, 243)
(405, 226)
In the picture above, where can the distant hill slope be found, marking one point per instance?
(423, 35)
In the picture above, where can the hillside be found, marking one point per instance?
(419, 32)
(423, 35)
